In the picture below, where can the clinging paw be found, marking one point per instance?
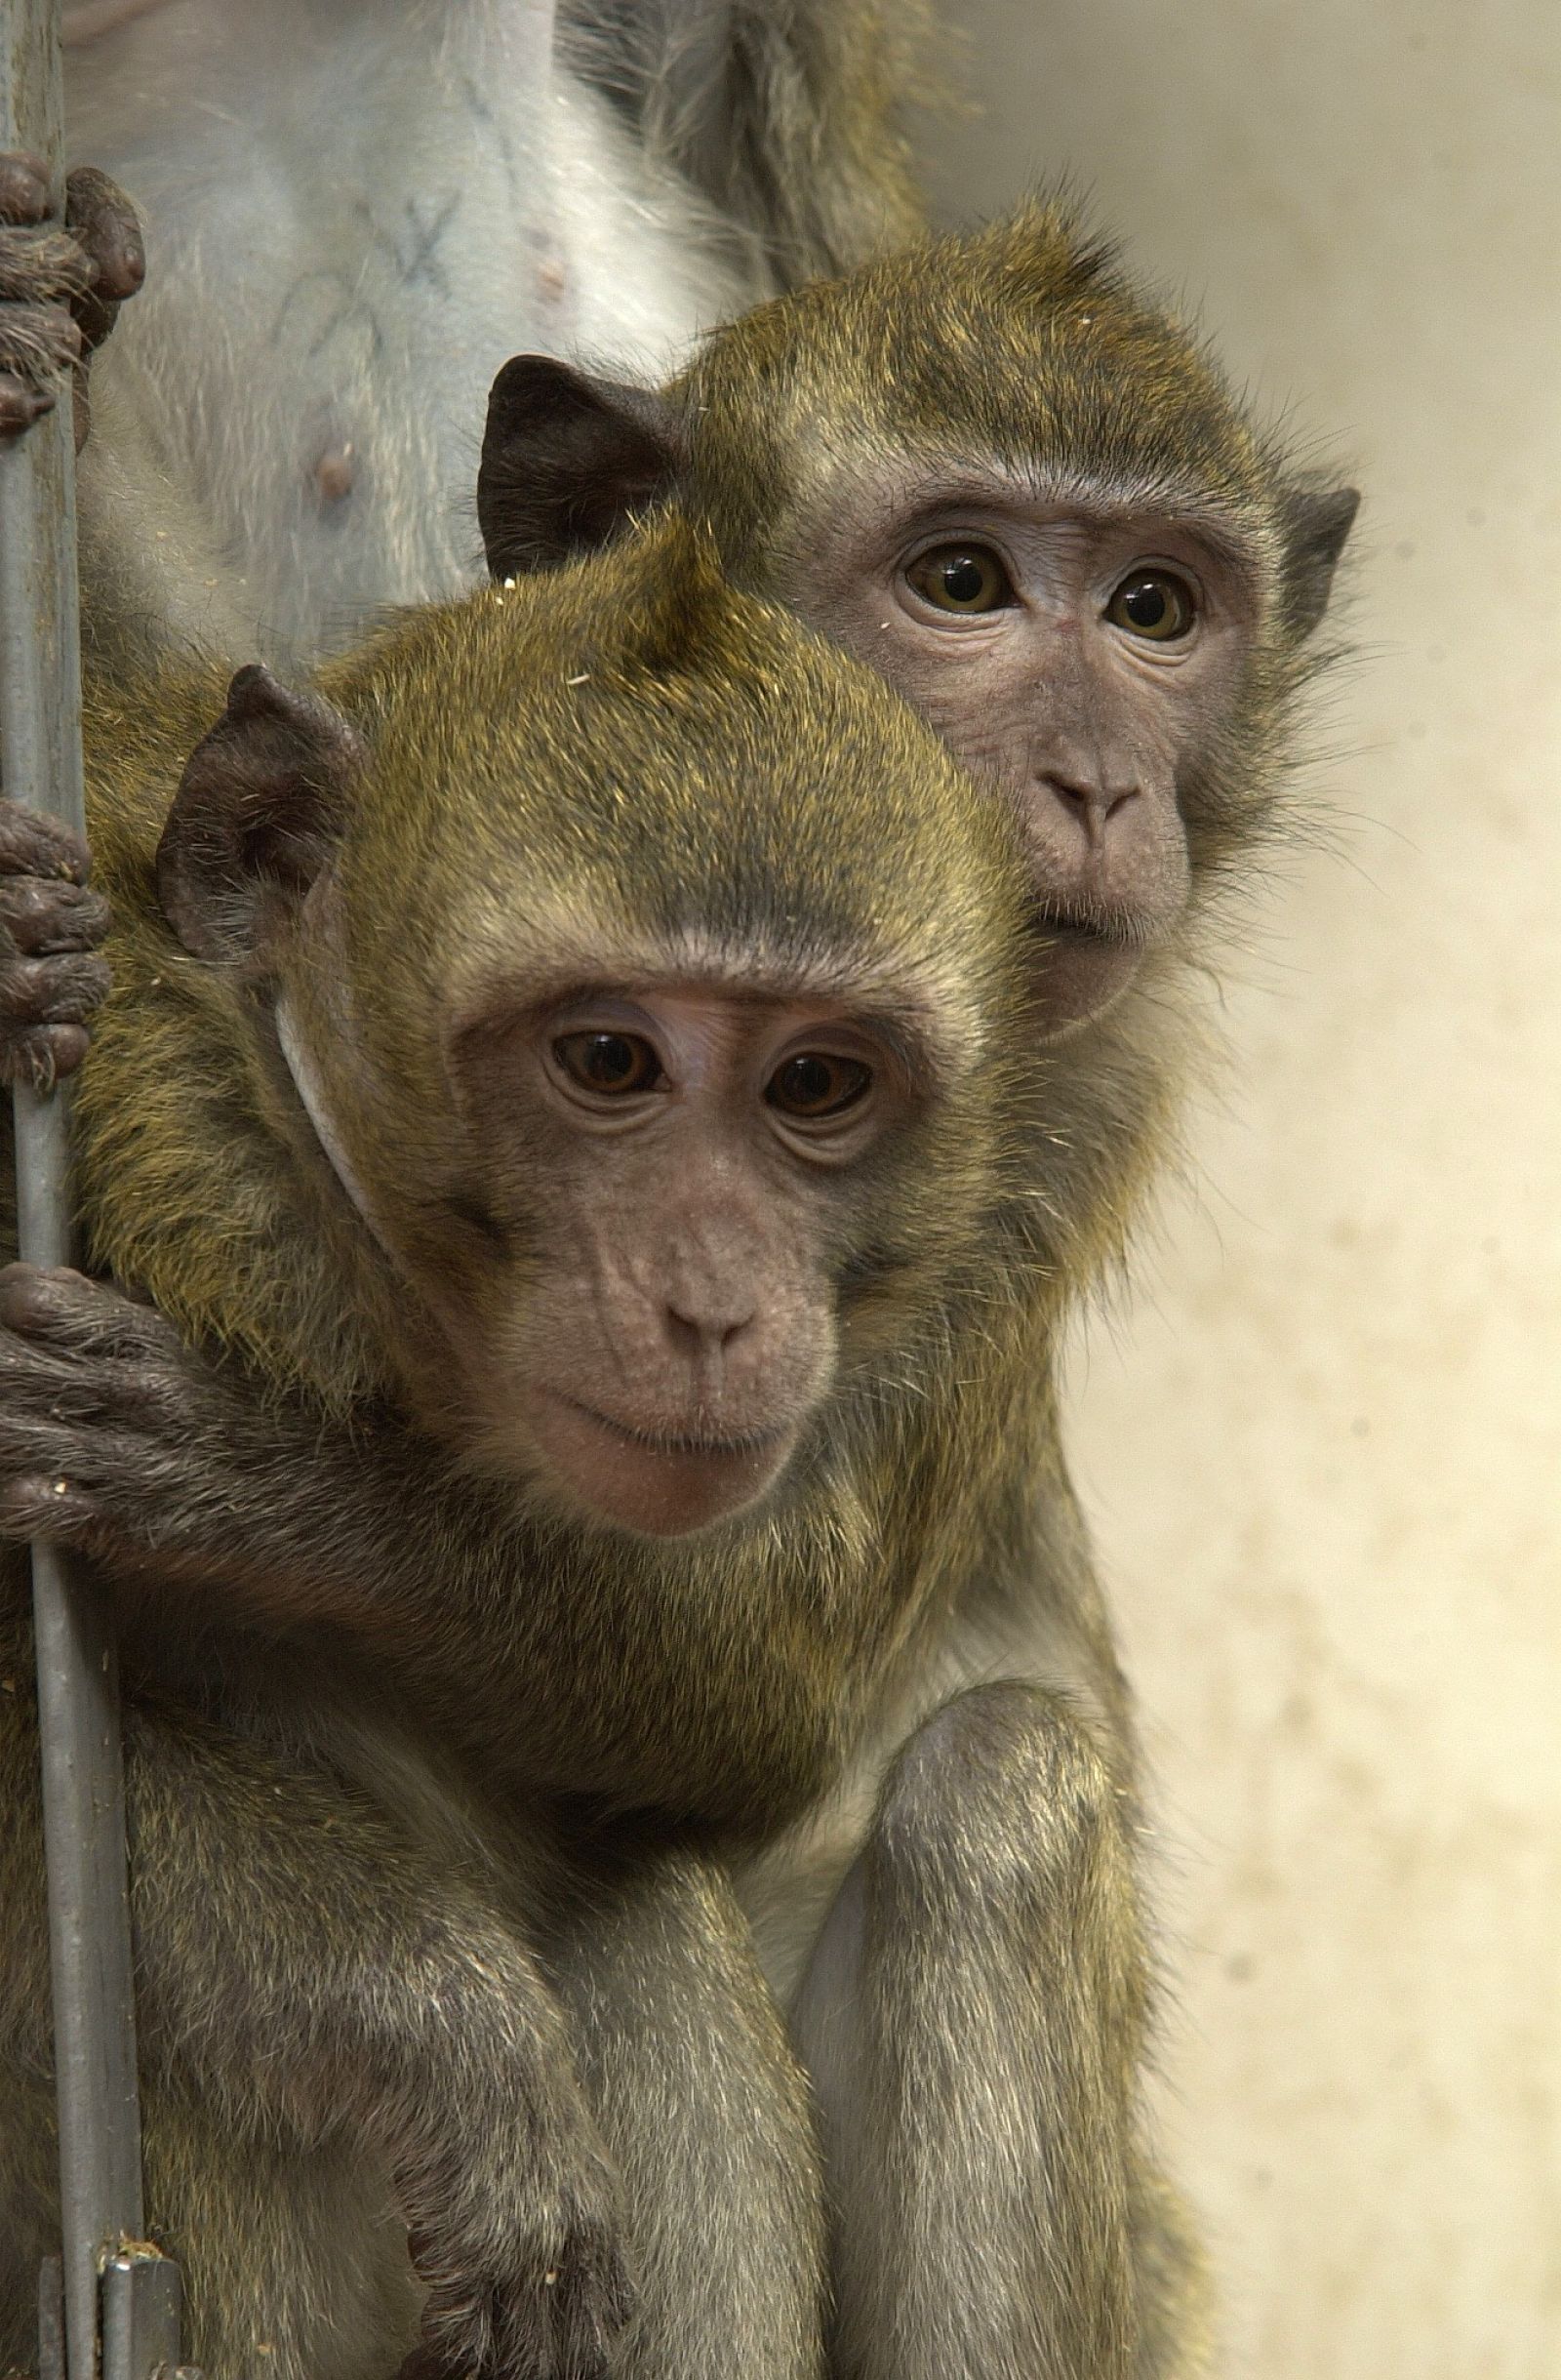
(60, 284)
(553, 2315)
(100, 1407)
(52, 982)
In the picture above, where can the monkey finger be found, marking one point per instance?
(58, 1412)
(67, 988)
(570, 2326)
(43, 265)
(44, 916)
(34, 1297)
(34, 844)
(456, 2336)
(58, 1405)
(38, 342)
(557, 2320)
(54, 1306)
(21, 405)
(35, 1056)
(108, 230)
(54, 1412)
(48, 1505)
(23, 187)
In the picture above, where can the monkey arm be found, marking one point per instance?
(307, 1971)
(169, 1468)
(60, 285)
(974, 2022)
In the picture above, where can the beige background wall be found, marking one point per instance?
(1324, 1449)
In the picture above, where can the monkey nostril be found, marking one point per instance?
(698, 1333)
(1093, 804)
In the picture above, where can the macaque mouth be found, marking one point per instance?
(702, 1445)
(1113, 929)
(658, 1482)
(1086, 957)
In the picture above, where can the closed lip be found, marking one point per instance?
(1121, 932)
(701, 1445)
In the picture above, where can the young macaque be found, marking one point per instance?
(499, 1090)
(993, 469)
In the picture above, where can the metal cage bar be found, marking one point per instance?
(78, 1698)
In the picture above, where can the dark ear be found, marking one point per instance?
(566, 460)
(258, 810)
(1316, 524)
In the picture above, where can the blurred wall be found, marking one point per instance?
(1323, 1450)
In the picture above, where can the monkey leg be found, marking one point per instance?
(339, 2042)
(60, 285)
(701, 2099)
(974, 2021)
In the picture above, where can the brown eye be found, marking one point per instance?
(1153, 603)
(961, 578)
(812, 1085)
(608, 1063)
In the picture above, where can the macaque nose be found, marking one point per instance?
(706, 1327)
(1089, 802)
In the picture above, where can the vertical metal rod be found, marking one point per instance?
(83, 1783)
(143, 2303)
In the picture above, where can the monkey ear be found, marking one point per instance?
(257, 811)
(1317, 522)
(565, 460)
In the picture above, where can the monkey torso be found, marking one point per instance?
(354, 215)
(351, 218)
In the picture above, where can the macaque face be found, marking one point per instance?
(1082, 656)
(683, 1164)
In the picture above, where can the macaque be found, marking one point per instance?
(495, 1086)
(995, 471)
(356, 209)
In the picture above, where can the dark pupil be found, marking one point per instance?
(807, 1082)
(964, 580)
(609, 1060)
(1147, 604)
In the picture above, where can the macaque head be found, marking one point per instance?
(988, 467)
(645, 973)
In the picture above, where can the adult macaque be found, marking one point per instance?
(992, 468)
(356, 209)
(492, 1071)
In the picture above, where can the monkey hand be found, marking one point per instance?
(51, 979)
(526, 2281)
(115, 1438)
(60, 285)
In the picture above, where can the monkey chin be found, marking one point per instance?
(657, 1486)
(1080, 974)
